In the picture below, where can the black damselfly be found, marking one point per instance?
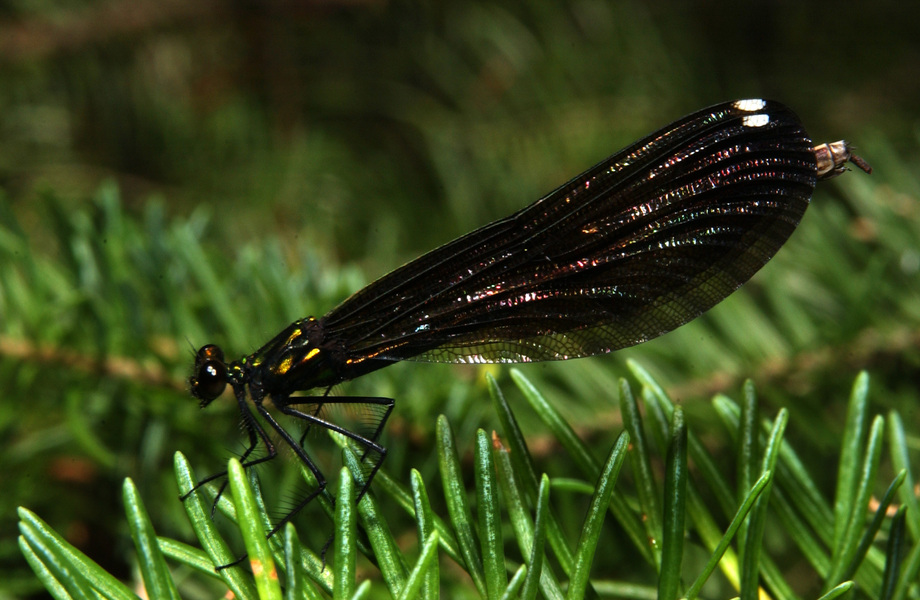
(632, 248)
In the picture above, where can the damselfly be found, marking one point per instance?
(632, 248)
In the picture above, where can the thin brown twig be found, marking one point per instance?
(40, 37)
(868, 349)
(111, 366)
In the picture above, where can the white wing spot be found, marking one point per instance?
(750, 105)
(755, 120)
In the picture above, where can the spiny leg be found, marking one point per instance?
(256, 433)
(306, 430)
(301, 454)
(369, 444)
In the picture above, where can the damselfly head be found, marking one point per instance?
(210, 376)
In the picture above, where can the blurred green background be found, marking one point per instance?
(177, 173)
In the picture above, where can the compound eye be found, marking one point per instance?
(210, 376)
(210, 351)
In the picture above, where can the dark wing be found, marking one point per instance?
(630, 249)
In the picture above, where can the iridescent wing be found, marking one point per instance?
(634, 247)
